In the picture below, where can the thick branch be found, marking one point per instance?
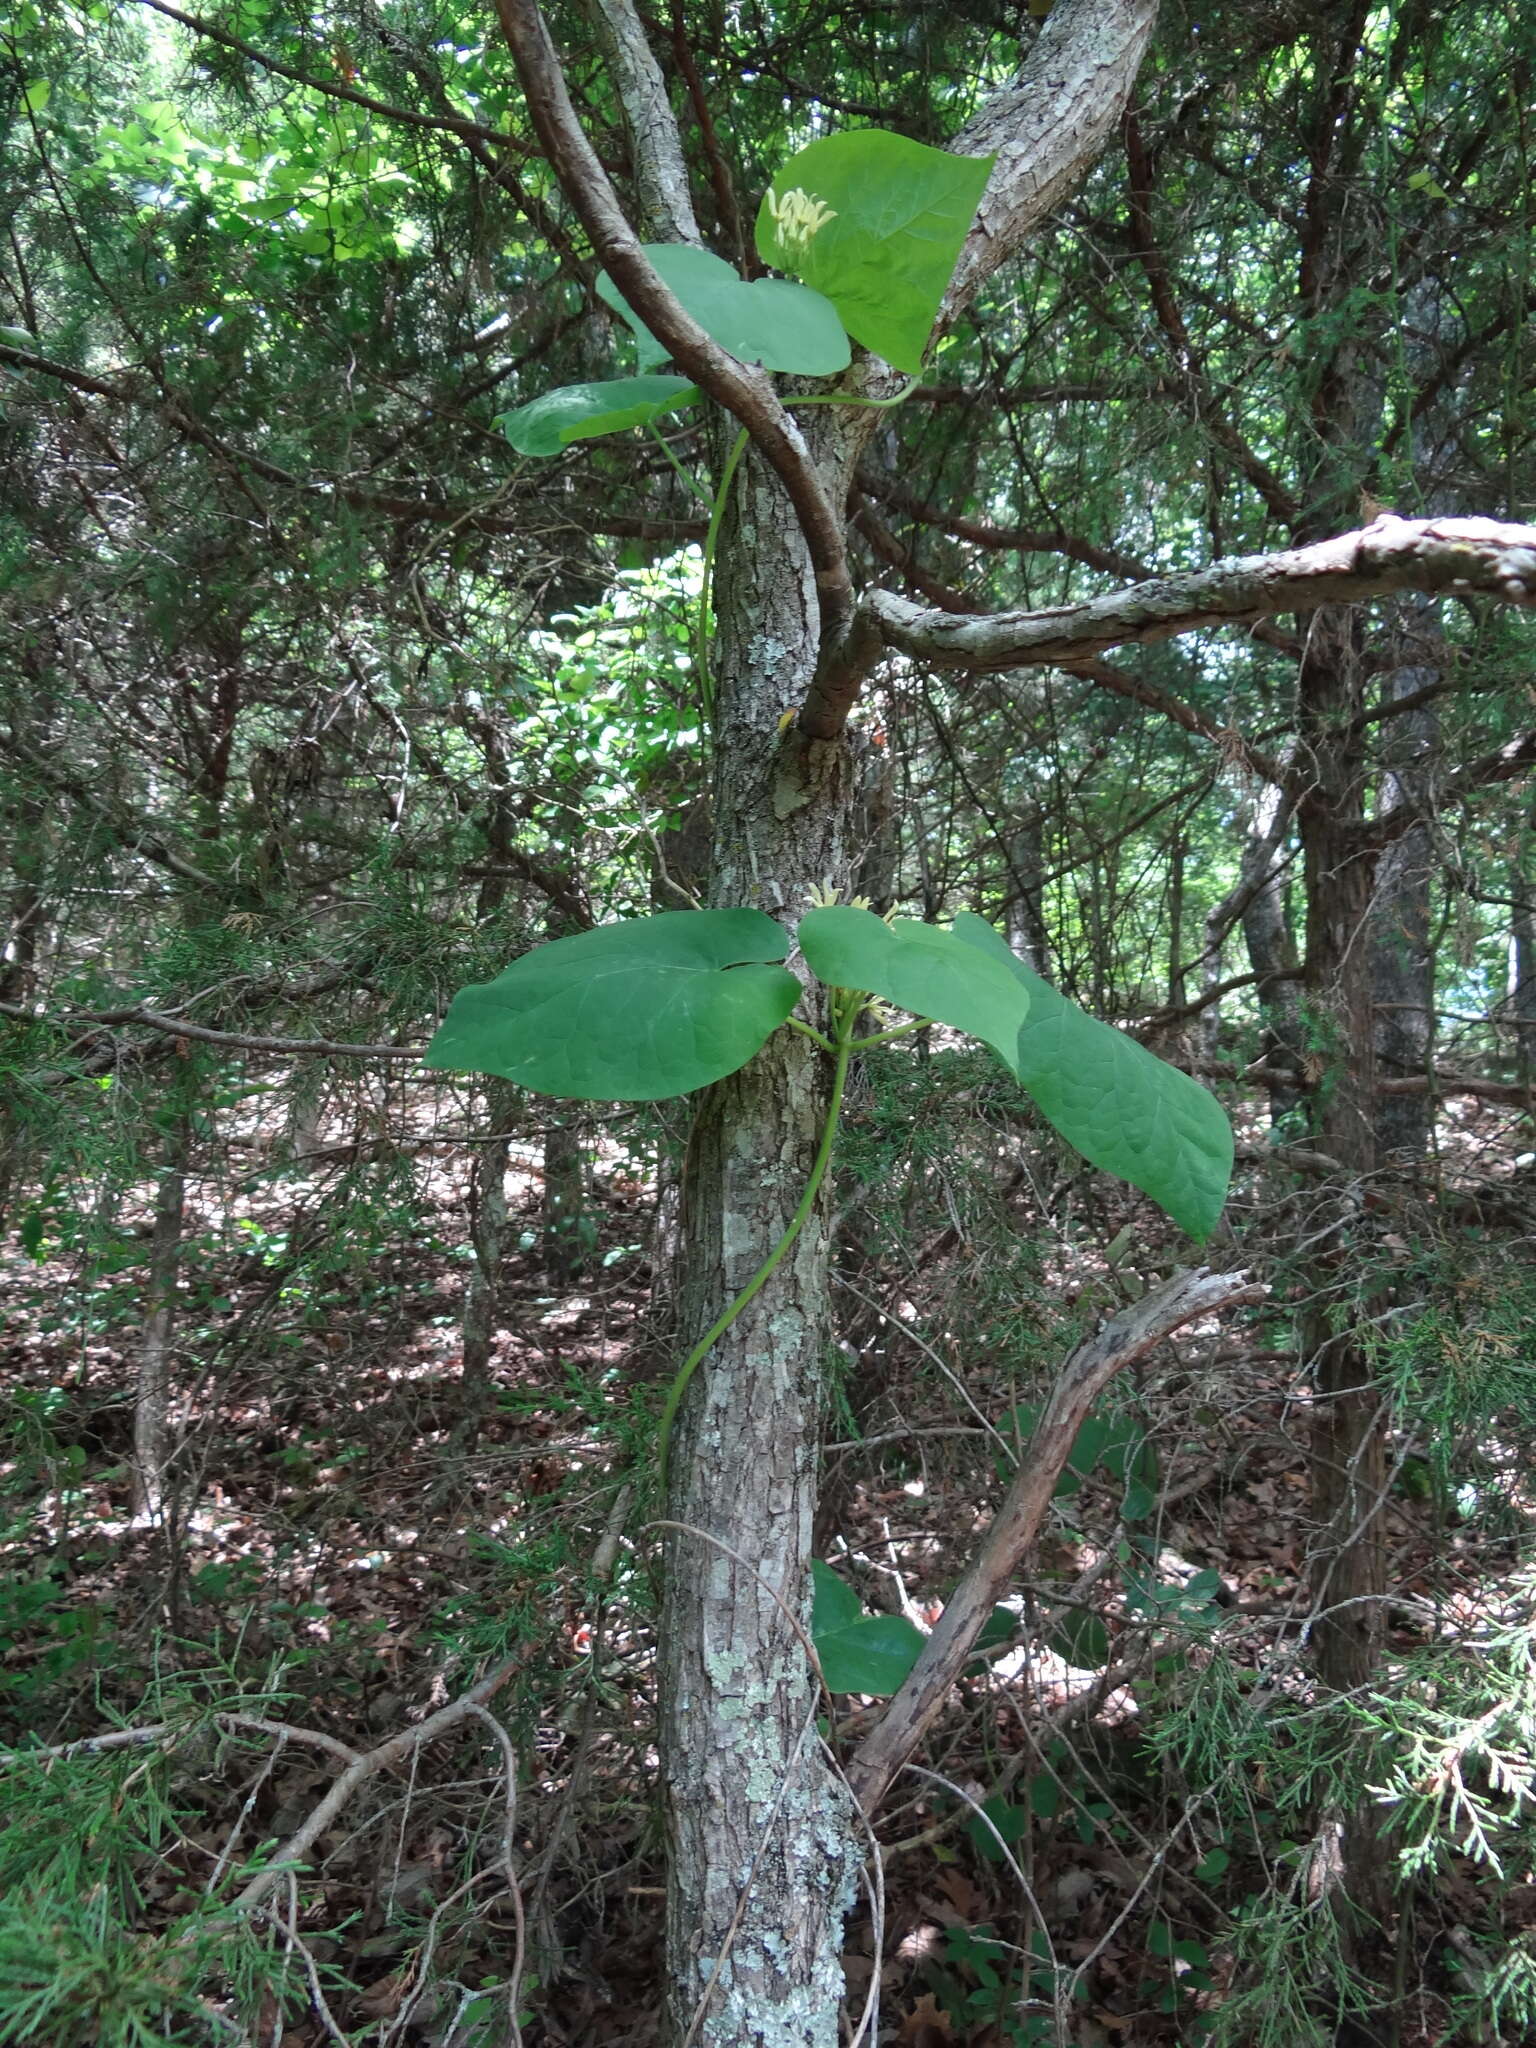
(1455, 557)
(1045, 127)
(666, 209)
(1119, 1343)
(295, 1850)
(745, 392)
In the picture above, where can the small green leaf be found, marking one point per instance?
(580, 412)
(1087, 1446)
(877, 222)
(36, 94)
(1216, 1861)
(1119, 1105)
(868, 1653)
(924, 968)
(1000, 1627)
(1044, 1793)
(631, 1012)
(834, 1603)
(1009, 1821)
(781, 325)
(1081, 1640)
(1138, 1503)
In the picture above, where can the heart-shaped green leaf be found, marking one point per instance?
(1089, 1446)
(781, 325)
(1119, 1105)
(579, 412)
(924, 968)
(631, 1012)
(868, 1653)
(876, 222)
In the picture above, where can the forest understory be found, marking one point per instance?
(352, 1536)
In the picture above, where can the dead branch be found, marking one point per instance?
(1117, 1344)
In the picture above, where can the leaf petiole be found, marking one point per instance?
(809, 1031)
(885, 1037)
(690, 483)
(842, 398)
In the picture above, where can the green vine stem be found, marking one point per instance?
(846, 1012)
(844, 398)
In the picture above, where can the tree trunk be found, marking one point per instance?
(1025, 914)
(152, 1398)
(1522, 955)
(488, 1237)
(1402, 963)
(763, 1848)
(1349, 1436)
(1271, 946)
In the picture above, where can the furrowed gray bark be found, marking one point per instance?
(764, 1855)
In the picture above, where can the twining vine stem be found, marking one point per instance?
(846, 1006)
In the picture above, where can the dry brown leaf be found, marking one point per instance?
(383, 2000)
(926, 2026)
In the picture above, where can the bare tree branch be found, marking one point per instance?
(1117, 1344)
(1451, 557)
(448, 124)
(203, 1034)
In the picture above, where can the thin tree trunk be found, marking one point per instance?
(763, 1850)
(1176, 920)
(1272, 946)
(1349, 1434)
(152, 1399)
(1402, 964)
(488, 1236)
(1025, 917)
(1522, 955)
(565, 1196)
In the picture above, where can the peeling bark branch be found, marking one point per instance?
(746, 393)
(1451, 557)
(1117, 1344)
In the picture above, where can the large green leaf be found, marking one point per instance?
(627, 1013)
(876, 222)
(1119, 1105)
(868, 1653)
(781, 325)
(578, 412)
(924, 968)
